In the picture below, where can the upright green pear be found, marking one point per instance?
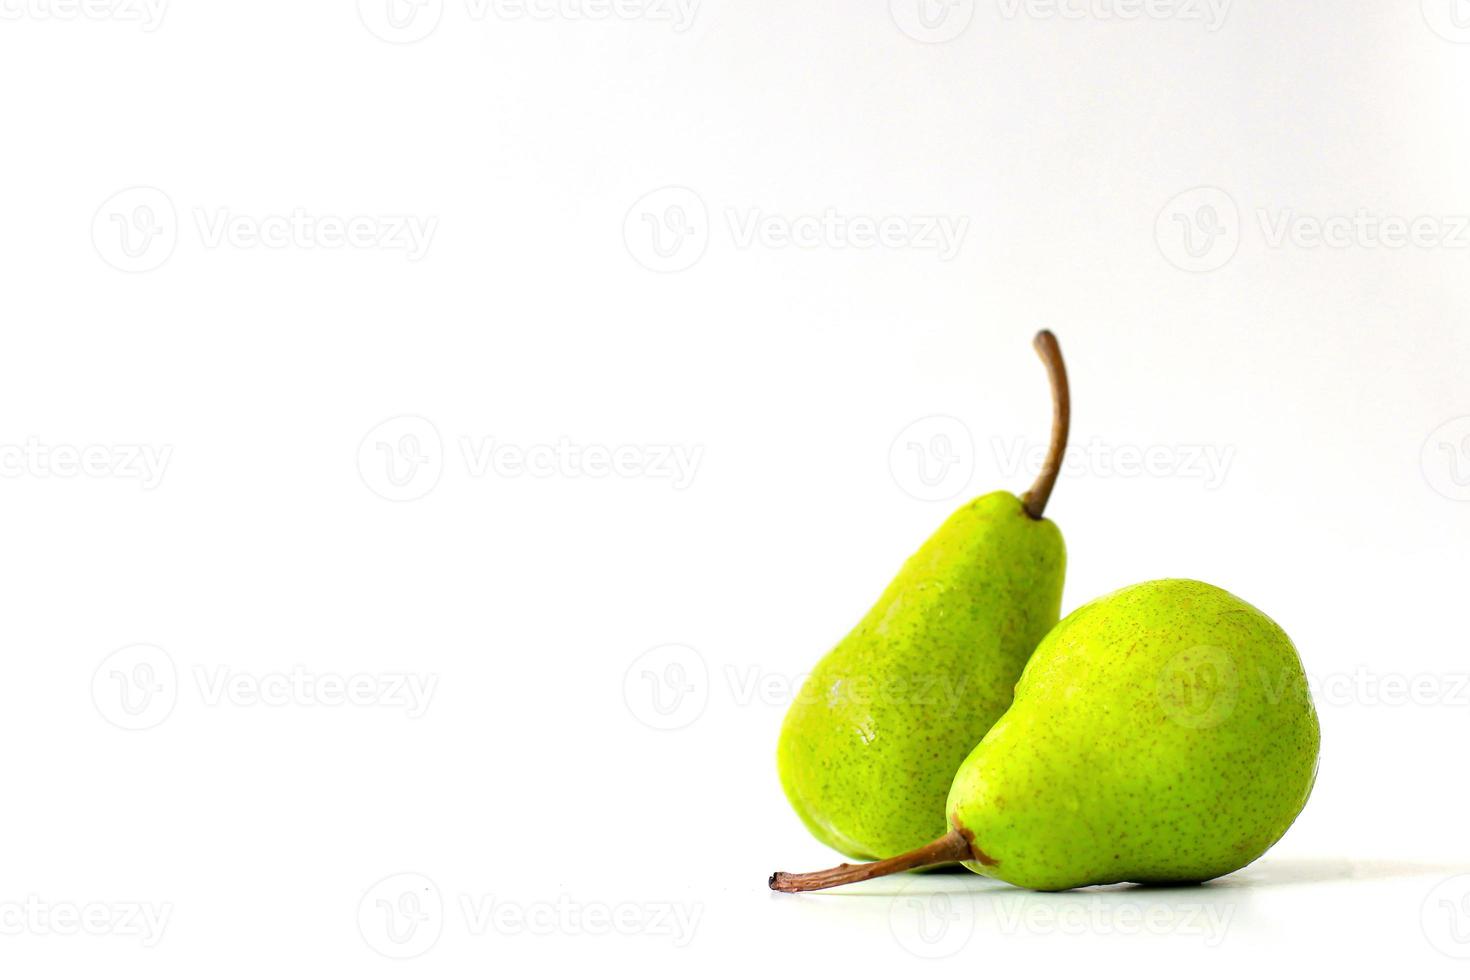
(1163, 733)
(872, 740)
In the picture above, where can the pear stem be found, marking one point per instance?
(1061, 424)
(953, 847)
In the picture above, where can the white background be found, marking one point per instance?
(538, 782)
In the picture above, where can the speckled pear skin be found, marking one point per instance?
(871, 742)
(1163, 733)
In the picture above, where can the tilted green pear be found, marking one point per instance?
(1163, 733)
(871, 742)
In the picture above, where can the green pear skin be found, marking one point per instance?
(870, 745)
(1163, 733)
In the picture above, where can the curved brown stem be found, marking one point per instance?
(949, 849)
(1061, 424)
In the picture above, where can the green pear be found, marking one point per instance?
(1163, 733)
(872, 740)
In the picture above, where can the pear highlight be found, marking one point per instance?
(871, 743)
(1160, 734)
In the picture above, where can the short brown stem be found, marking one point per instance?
(1061, 423)
(949, 849)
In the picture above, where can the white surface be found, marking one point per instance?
(527, 313)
